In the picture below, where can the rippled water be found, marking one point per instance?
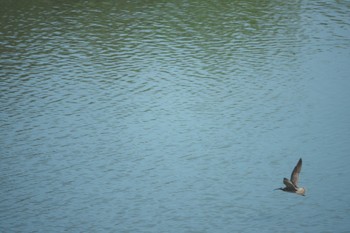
(155, 116)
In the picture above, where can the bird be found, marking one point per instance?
(292, 184)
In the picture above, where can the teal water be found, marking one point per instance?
(156, 116)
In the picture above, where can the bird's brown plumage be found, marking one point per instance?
(292, 184)
(295, 174)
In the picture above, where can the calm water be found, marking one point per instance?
(183, 116)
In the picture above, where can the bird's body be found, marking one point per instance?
(292, 184)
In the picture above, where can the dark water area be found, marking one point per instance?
(156, 116)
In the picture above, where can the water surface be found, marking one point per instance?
(152, 116)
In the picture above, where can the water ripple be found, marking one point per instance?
(170, 116)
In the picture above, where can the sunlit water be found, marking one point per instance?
(152, 116)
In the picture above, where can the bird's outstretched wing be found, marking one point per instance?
(289, 184)
(295, 174)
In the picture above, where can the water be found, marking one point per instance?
(152, 116)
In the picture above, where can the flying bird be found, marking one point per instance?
(292, 184)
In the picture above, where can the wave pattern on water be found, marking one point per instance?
(171, 117)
